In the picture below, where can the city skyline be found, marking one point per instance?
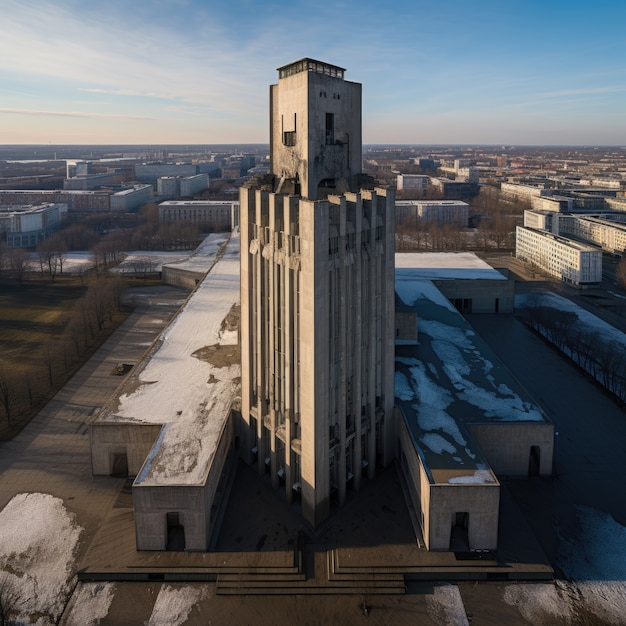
(182, 72)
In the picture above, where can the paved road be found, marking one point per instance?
(52, 455)
(590, 446)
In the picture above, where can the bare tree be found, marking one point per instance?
(620, 272)
(8, 393)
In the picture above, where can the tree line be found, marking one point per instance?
(23, 390)
(603, 360)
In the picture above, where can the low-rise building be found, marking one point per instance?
(572, 262)
(150, 172)
(210, 214)
(602, 231)
(191, 185)
(439, 211)
(25, 226)
(130, 199)
(412, 181)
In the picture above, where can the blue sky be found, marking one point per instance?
(197, 71)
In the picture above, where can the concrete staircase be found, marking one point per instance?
(315, 572)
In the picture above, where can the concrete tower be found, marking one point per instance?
(315, 130)
(317, 299)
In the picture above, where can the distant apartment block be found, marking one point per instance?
(26, 226)
(214, 214)
(558, 204)
(91, 181)
(168, 186)
(454, 189)
(524, 192)
(467, 175)
(191, 185)
(541, 220)
(574, 263)
(412, 181)
(77, 168)
(150, 172)
(610, 235)
(130, 199)
(76, 200)
(438, 211)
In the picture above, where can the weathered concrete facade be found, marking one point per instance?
(315, 130)
(440, 506)
(317, 298)
(317, 335)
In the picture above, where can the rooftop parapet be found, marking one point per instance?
(310, 65)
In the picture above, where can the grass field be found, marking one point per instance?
(37, 355)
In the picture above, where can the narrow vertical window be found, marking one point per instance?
(330, 128)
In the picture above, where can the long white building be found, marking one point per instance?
(439, 211)
(25, 226)
(601, 231)
(572, 262)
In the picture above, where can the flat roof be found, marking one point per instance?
(412, 266)
(188, 382)
(449, 381)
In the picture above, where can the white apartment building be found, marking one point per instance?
(25, 226)
(608, 234)
(572, 262)
(439, 211)
(557, 204)
(412, 181)
(214, 214)
(191, 185)
(541, 220)
(523, 192)
(130, 199)
(168, 186)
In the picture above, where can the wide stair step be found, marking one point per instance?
(317, 578)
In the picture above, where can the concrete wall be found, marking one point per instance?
(153, 503)
(507, 446)
(178, 277)
(436, 505)
(481, 502)
(111, 439)
(196, 505)
(299, 104)
(487, 296)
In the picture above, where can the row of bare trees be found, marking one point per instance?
(603, 360)
(22, 390)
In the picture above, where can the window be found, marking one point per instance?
(330, 129)
(289, 138)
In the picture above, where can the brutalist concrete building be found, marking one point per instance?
(317, 298)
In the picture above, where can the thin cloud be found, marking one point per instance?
(42, 113)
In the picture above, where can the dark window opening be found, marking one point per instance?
(330, 128)
(289, 138)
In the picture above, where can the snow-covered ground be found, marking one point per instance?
(148, 261)
(594, 561)
(185, 392)
(90, 604)
(173, 605)
(586, 320)
(38, 541)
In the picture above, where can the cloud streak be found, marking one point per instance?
(43, 113)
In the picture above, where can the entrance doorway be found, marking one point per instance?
(459, 535)
(175, 533)
(119, 465)
(534, 463)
